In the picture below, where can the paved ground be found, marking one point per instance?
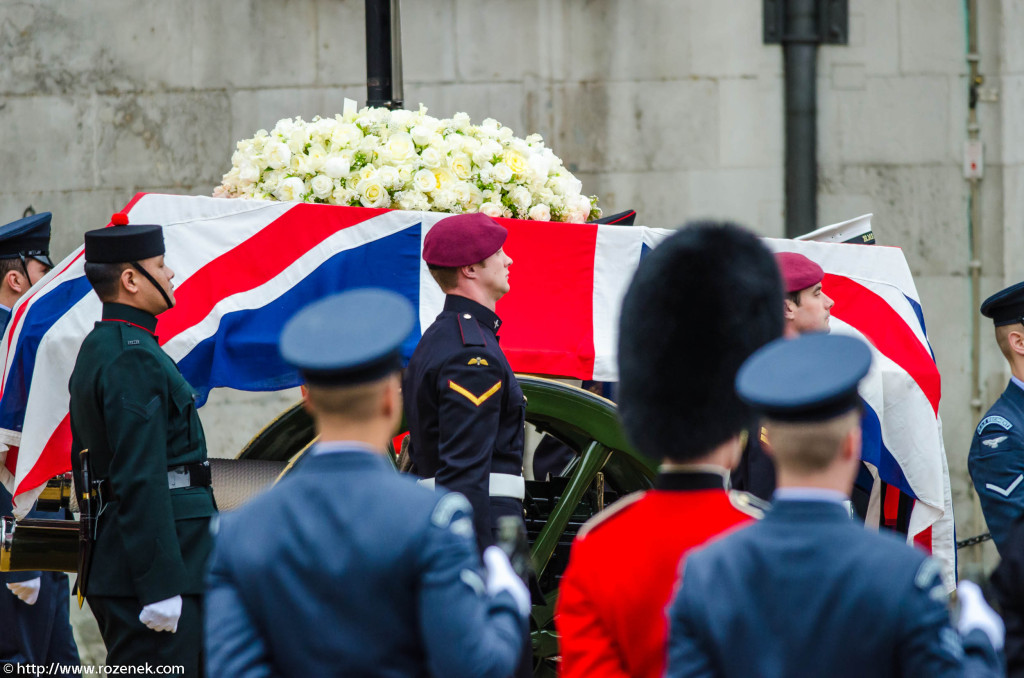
(87, 635)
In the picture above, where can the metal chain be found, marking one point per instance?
(973, 540)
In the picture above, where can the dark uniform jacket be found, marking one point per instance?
(809, 592)
(623, 569)
(1008, 584)
(346, 568)
(996, 463)
(465, 410)
(39, 633)
(135, 413)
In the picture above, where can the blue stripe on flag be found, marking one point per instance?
(35, 323)
(875, 452)
(919, 312)
(243, 353)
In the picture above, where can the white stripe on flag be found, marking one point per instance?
(182, 242)
(616, 255)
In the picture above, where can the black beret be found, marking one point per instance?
(699, 305)
(812, 377)
(349, 338)
(1005, 307)
(121, 243)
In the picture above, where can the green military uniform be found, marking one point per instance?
(135, 413)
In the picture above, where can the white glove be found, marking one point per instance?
(27, 591)
(501, 577)
(976, 614)
(162, 615)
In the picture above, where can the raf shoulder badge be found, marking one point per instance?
(478, 361)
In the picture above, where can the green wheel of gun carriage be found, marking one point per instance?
(600, 466)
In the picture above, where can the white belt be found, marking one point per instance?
(501, 485)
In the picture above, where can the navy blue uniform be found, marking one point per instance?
(466, 413)
(39, 633)
(996, 463)
(346, 568)
(809, 592)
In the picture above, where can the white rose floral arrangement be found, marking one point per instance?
(407, 160)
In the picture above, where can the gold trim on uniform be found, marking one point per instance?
(476, 400)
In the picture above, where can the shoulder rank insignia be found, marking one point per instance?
(610, 512)
(477, 400)
(477, 361)
(747, 503)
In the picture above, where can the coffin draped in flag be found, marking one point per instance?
(243, 267)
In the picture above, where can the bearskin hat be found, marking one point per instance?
(699, 305)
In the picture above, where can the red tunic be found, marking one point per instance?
(622, 573)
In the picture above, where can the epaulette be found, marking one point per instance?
(610, 512)
(470, 330)
(753, 506)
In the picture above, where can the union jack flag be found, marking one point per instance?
(243, 267)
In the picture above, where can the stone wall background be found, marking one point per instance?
(671, 107)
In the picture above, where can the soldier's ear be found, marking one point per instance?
(1016, 341)
(128, 280)
(15, 282)
(788, 309)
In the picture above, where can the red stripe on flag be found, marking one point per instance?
(923, 539)
(255, 261)
(872, 315)
(53, 460)
(548, 314)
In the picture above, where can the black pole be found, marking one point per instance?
(800, 51)
(378, 53)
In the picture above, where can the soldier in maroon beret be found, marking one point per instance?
(807, 307)
(464, 406)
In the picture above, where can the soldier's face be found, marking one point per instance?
(813, 312)
(494, 274)
(162, 273)
(35, 269)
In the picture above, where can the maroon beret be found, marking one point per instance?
(798, 272)
(463, 240)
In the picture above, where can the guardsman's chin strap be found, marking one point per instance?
(138, 267)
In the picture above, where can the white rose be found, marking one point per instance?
(540, 213)
(367, 173)
(502, 173)
(420, 134)
(283, 128)
(389, 177)
(373, 194)
(401, 117)
(412, 200)
(444, 200)
(277, 155)
(505, 133)
(249, 173)
(369, 143)
(461, 166)
(431, 157)
(298, 140)
(489, 127)
(492, 209)
(460, 121)
(424, 181)
(444, 177)
(336, 166)
(482, 157)
(466, 194)
(400, 146)
(345, 135)
(578, 209)
(343, 196)
(317, 155)
(405, 174)
(290, 190)
(521, 197)
(540, 164)
(534, 139)
(322, 186)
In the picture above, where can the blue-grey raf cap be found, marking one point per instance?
(810, 378)
(1006, 306)
(27, 237)
(349, 338)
